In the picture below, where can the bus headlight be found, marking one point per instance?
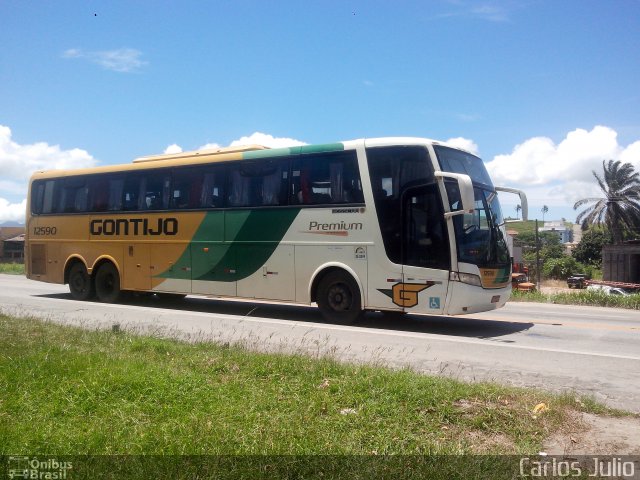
(467, 278)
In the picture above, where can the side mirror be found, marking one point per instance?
(467, 197)
(523, 200)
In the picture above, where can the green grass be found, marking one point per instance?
(12, 268)
(65, 390)
(580, 297)
(520, 226)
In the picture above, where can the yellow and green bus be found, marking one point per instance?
(390, 224)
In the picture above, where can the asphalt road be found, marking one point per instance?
(593, 351)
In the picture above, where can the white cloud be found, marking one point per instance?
(173, 148)
(12, 212)
(256, 138)
(18, 162)
(560, 174)
(267, 140)
(464, 143)
(540, 161)
(631, 155)
(209, 146)
(123, 60)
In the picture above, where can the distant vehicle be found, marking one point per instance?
(608, 290)
(520, 282)
(577, 281)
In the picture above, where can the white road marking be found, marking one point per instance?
(375, 331)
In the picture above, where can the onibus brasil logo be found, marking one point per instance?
(36, 468)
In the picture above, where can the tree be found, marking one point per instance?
(544, 210)
(548, 242)
(619, 208)
(589, 249)
(518, 208)
(561, 268)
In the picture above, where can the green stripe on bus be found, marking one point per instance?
(224, 248)
(283, 152)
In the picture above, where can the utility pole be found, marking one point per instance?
(537, 258)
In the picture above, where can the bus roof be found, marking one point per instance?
(196, 153)
(245, 152)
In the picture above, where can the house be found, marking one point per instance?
(621, 263)
(558, 227)
(12, 244)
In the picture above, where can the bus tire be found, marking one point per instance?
(338, 298)
(108, 283)
(80, 282)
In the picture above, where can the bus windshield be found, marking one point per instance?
(457, 161)
(480, 236)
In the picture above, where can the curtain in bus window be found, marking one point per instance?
(116, 188)
(99, 189)
(271, 188)
(73, 197)
(239, 189)
(145, 199)
(212, 190)
(81, 197)
(337, 177)
(131, 197)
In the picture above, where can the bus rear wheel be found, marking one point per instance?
(108, 283)
(339, 298)
(80, 283)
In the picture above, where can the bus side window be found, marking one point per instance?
(260, 183)
(154, 191)
(239, 188)
(212, 195)
(73, 196)
(116, 189)
(99, 192)
(131, 193)
(48, 200)
(328, 178)
(37, 197)
(274, 184)
(186, 188)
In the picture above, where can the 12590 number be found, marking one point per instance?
(44, 230)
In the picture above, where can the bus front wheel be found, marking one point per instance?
(80, 283)
(339, 298)
(108, 283)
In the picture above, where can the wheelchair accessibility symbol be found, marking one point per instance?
(434, 302)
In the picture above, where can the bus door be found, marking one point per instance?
(137, 272)
(274, 277)
(426, 258)
(171, 267)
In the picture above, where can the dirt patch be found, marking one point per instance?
(589, 434)
(549, 287)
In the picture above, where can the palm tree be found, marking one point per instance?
(619, 208)
(518, 208)
(544, 210)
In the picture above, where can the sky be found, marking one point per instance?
(543, 91)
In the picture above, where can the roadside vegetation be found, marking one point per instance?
(66, 391)
(12, 268)
(580, 297)
(611, 218)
